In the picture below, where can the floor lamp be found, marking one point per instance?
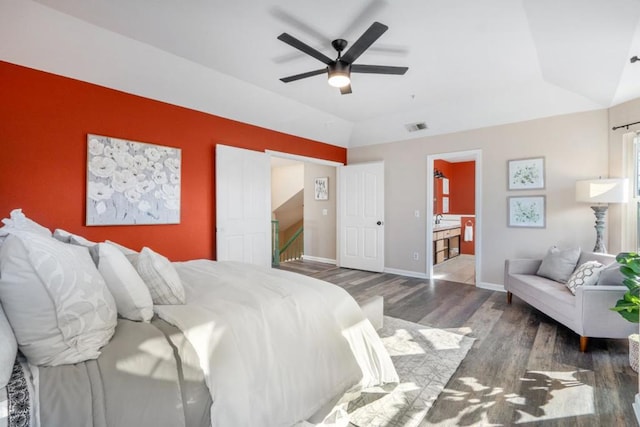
(601, 192)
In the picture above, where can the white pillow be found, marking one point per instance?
(161, 278)
(17, 221)
(58, 305)
(131, 255)
(127, 287)
(66, 237)
(8, 349)
(585, 275)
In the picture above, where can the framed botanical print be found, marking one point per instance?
(526, 174)
(526, 211)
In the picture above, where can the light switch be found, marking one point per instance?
(417, 213)
(324, 212)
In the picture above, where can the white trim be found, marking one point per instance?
(319, 259)
(406, 273)
(471, 155)
(628, 227)
(303, 158)
(636, 407)
(491, 286)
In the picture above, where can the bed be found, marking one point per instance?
(196, 343)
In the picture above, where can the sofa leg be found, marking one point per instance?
(583, 344)
(509, 297)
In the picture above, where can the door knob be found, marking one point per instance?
(379, 222)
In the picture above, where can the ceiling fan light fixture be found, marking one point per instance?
(339, 74)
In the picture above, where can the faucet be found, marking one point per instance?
(438, 218)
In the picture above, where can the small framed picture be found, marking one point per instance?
(322, 188)
(526, 211)
(526, 174)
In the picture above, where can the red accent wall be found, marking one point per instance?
(467, 247)
(462, 187)
(446, 168)
(44, 122)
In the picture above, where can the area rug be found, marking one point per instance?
(425, 359)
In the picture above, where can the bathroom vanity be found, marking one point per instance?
(446, 241)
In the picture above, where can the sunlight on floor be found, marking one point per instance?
(541, 396)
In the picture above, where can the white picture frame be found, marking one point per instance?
(526, 174)
(132, 183)
(526, 211)
(321, 188)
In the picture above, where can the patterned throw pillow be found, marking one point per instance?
(55, 300)
(161, 278)
(585, 275)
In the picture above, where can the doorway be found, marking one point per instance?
(453, 225)
(312, 219)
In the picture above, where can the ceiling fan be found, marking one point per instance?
(339, 70)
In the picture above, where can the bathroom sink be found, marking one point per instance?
(445, 225)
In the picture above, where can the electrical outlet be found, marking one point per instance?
(416, 256)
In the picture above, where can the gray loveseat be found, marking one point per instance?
(587, 313)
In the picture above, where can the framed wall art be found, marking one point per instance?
(526, 174)
(526, 211)
(322, 188)
(132, 183)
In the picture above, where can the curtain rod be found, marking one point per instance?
(624, 126)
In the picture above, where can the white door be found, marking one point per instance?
(243, 205)
(361, 216)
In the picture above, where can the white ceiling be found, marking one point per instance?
(471, 63)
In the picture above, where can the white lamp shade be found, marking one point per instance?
(615, 190)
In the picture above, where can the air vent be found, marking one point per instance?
(414, 127)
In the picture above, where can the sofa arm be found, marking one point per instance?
(521, 266)
(596, 317)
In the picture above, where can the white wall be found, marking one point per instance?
(319, 229)
(575, 146)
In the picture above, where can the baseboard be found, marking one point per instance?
(490, 286)
(636, 407)
(318, 259)
(407, 273)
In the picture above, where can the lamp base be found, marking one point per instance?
(600, 212)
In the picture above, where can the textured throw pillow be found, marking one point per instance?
(58, 305)
(8, 349)
(585, 275)
(161, 278)
(558, 264)
(127, 287)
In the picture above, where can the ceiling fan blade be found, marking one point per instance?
(372, 34)
(378, 69)
(292, 41)
(345, 90)
(303, 75)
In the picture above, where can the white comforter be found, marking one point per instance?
(275, 346)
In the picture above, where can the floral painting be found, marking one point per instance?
(526, 174)
(527, 211)
(132, 182)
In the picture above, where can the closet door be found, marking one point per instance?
(361, 216)
(243, 205)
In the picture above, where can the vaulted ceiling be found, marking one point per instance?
(471, 63)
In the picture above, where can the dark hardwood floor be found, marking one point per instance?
(523, 369)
